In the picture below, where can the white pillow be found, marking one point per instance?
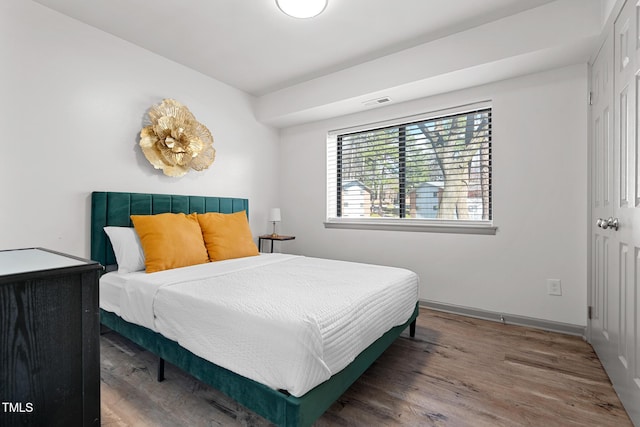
(127, 248)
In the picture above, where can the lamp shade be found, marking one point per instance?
(302, 8)
(274, 215)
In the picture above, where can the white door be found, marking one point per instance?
(614, 294)
(602, 172)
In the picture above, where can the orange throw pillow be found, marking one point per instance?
(227, 236)
(170, 240)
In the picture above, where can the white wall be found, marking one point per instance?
(72, 104)
(540, 203)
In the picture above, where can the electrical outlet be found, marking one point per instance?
(554, 287)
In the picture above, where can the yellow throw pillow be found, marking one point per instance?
(170, 240)
(227, 236)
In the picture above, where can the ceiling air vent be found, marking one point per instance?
(377, 101)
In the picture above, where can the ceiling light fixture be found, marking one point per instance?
(302, 8)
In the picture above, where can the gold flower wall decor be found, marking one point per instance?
(175, 141)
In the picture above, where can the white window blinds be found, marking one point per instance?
(425, 169)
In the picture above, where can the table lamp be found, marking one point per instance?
(274, 216)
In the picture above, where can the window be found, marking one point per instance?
(431, 172)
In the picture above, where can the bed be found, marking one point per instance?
(281, 400)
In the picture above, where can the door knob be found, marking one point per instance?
(608, 223)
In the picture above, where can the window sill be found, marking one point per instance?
(453, 227)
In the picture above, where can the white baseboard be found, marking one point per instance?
(511, 319)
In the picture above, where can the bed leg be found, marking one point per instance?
(161, 370)
(412, 329)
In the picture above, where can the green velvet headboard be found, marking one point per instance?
(115, 209)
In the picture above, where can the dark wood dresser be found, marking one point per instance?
(49, 339)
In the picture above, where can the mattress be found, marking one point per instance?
(288, 322)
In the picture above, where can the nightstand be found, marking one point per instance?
(272, 238)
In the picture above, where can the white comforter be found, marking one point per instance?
(288, 322)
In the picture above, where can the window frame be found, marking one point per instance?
(486, 227)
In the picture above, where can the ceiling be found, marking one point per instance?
(251, 45)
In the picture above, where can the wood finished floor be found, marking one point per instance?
(458, 371)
